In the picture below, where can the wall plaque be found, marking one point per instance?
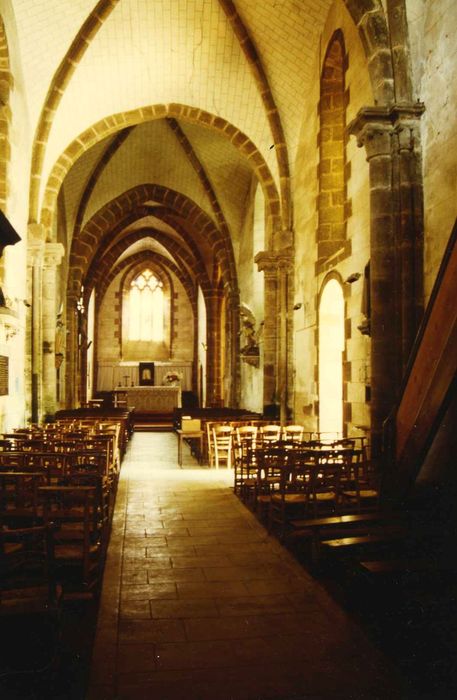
(4, 375)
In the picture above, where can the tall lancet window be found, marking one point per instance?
(146, 308)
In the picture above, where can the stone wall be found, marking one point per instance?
(356, 220)
(109, 323)
(15, 153)
(432, 29)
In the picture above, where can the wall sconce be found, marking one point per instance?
(352, 278)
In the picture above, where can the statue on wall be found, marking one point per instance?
(249, 349)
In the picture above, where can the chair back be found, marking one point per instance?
(292, 433)
(26, 562)
(270, 433)
(222, 445)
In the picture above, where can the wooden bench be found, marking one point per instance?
(348, 546)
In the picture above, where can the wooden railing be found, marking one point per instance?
(428, 378)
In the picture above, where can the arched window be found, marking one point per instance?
(146, 308)
(331, 348)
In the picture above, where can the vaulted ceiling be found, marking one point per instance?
(198, 99)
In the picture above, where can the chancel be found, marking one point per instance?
(228, 348)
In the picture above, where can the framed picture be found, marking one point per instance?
(146, 373)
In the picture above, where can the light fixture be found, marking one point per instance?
(297, 306)
(353, 278)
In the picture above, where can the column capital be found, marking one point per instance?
(35, 251)
(270, 262)
(53, 254)
(374, 126)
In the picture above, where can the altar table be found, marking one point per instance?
(158, 399)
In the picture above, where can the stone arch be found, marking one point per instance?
(61, 78)
(131, 205)
(114, 123)
(145, 256)
(371, 22)
(274, 118)
(332, 200)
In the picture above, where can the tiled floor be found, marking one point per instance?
(199, 603)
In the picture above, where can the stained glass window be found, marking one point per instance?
(146, 307)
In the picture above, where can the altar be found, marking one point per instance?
(156, 399)
(116, 375)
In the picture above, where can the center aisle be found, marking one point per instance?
(199, 603)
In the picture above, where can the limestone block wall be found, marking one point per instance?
(432, 29)
(15, 154)
(352, 256)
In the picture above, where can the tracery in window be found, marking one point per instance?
(146, 308)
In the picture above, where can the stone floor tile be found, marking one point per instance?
(134, 658)
(186, 562)
(173, 574)
(134, 576)
(181, 609)
(202, 604)
(234, 573)
(214, 654)
(212, 589)
(135, 609)
(151, 591)
(254, 605)
(157, 631)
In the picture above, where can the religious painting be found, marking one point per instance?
(146, 373)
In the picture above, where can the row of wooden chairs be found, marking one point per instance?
(68, 490)
(223, 440)
(287, 479)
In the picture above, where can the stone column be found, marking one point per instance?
(35, 253)
(53, 254)
(71, 352)
(394, 245)
(410, 223)
(267, 263)
(285, 267)
(276, 267)
(213, 354)
(233, 337)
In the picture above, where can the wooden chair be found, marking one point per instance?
(362, 492)
(222, 445)
(19, 504)
(325, 485)
(292, 498)
(27, 569)
(29, 601)
(77, 535)
(273, 461)
(292, 433)
(245, 466)
(208, 447)
(269, 433)
(11, 461)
